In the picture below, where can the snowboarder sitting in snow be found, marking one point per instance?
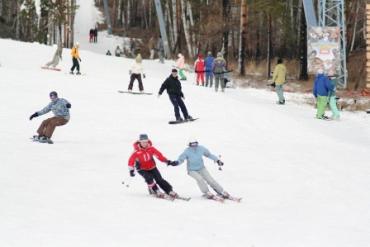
(60, 107)
(173, 87)
(196, 169)
(57, 56)
(75, 58)
(142, 160)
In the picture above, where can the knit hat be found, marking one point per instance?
(53, 94)
(143, 137)
(174, 70)
(209, 53)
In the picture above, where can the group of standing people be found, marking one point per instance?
(324, 90)
(93, 35)
(207, 70)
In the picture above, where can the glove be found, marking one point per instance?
(220, 163)
(132, 173)
(144, 76)
(80, 59)
(68, 105)
(34, 115)
(172, 163)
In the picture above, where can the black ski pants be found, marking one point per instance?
(177, 103)
(154, 175)
(76, 64)
(132, 79)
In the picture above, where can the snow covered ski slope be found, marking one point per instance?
(304, 182)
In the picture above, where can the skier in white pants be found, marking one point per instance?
(196, 169)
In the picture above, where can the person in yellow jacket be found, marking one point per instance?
(75, 59)
(279, 78)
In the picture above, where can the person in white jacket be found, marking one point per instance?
(135, 72)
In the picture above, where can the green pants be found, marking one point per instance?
(182, 74)
(333, 107)
(280, 93)
(321, 103)
(219, 81)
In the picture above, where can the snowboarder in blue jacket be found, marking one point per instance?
(193, 154)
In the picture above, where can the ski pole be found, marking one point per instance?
(219, 167)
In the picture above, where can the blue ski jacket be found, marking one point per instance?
(322, 86)
(194, 157)
(209, 63)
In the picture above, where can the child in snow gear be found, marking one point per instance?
(60, 107)
(219, 68)
(135, 72)
(57, 56)
(199, 70)
(173, 87)
(180, 64)
(91, 35)
(209, 69)
(333, 97)
(279, 78)
(75, 58)
(118, 51)
(143, 161)
(321, 89)
(193, 154)
(108, 53)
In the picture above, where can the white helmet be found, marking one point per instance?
(193, 142)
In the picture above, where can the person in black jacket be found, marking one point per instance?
(173, 87)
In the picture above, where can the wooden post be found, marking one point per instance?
(368, 45)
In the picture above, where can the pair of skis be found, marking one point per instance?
(170, 198)
(223, 199)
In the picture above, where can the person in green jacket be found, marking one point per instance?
(333, 97)
(279, 78)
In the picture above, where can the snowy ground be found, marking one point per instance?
(305, 182)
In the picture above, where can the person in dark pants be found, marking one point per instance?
(136, 71)
(75, 58)
(173, 87)
(143, 161)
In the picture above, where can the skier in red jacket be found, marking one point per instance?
(143, 161)
(199, 68)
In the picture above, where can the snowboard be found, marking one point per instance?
(75, 74)
(145, 93)
(51, 68)
(183, 121)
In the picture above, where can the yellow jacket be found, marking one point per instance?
(279, 76)
(74, 53)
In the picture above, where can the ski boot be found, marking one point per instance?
(173, 194)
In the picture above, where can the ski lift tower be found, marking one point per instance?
(331, 14)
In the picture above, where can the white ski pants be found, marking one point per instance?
(203, 178)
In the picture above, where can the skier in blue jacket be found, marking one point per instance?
(196, 169)
(209, 69)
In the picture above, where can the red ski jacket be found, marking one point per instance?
(142, 158)
(199, 66)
